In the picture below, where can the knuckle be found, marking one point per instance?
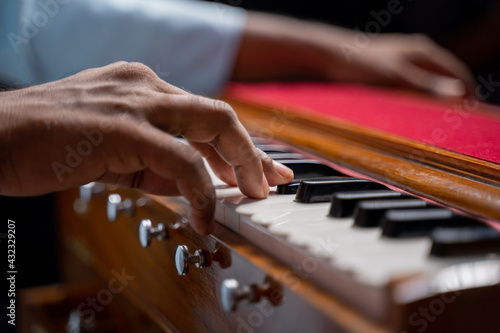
(195, 99)
(221, 110)
(133, 70)
(120, 63)
(266, 159)
(221, 105)
(224, 110)
(140, 67)
(120, 67)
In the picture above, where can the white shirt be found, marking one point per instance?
(190, 44)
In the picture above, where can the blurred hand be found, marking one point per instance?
(116, 124)
(275, 47)
(411, 61)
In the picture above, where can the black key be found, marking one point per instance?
(344, 203)
(322, 190)
(286, 156)
(368, 214)
(290, 188)
(303, 169)
(420, 222)
(450, 242)
(306, 169)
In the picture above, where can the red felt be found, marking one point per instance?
(464, 126)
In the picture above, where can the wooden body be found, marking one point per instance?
(191, 303)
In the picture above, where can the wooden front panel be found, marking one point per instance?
(191, 303)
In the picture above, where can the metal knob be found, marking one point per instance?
(231, 294)
(81, 205)
(183, 259)
(88, 190)
(115, 206)
(147, 232)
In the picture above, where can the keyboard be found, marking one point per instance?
(375, 247)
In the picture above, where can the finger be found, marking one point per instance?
(209, 121)
(440, 61)
(145, 180)
(416, 77)
(169, 159)
(193, 181)
(276, 173)
(220, 167)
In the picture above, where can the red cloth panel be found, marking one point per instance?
(463, 126)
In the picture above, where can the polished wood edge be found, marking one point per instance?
(464, 183)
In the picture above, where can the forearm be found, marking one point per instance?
(277, 47)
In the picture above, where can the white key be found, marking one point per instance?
(333, 241)
(380, 273)
(271, 203)
(382, 247)
(231, 203)
(382, 259)
(309, 236)
(289, 228)
(227, 192)
(317, 211)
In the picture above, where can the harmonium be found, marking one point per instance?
(390, 225)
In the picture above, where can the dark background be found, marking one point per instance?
(36, 255)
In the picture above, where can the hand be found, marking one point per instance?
(116, 124)
(412, 61)
(275, 47)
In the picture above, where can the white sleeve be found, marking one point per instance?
(190, 44)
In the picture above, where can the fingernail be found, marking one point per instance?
(283, 170)
(265, 187)
(449, 87)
